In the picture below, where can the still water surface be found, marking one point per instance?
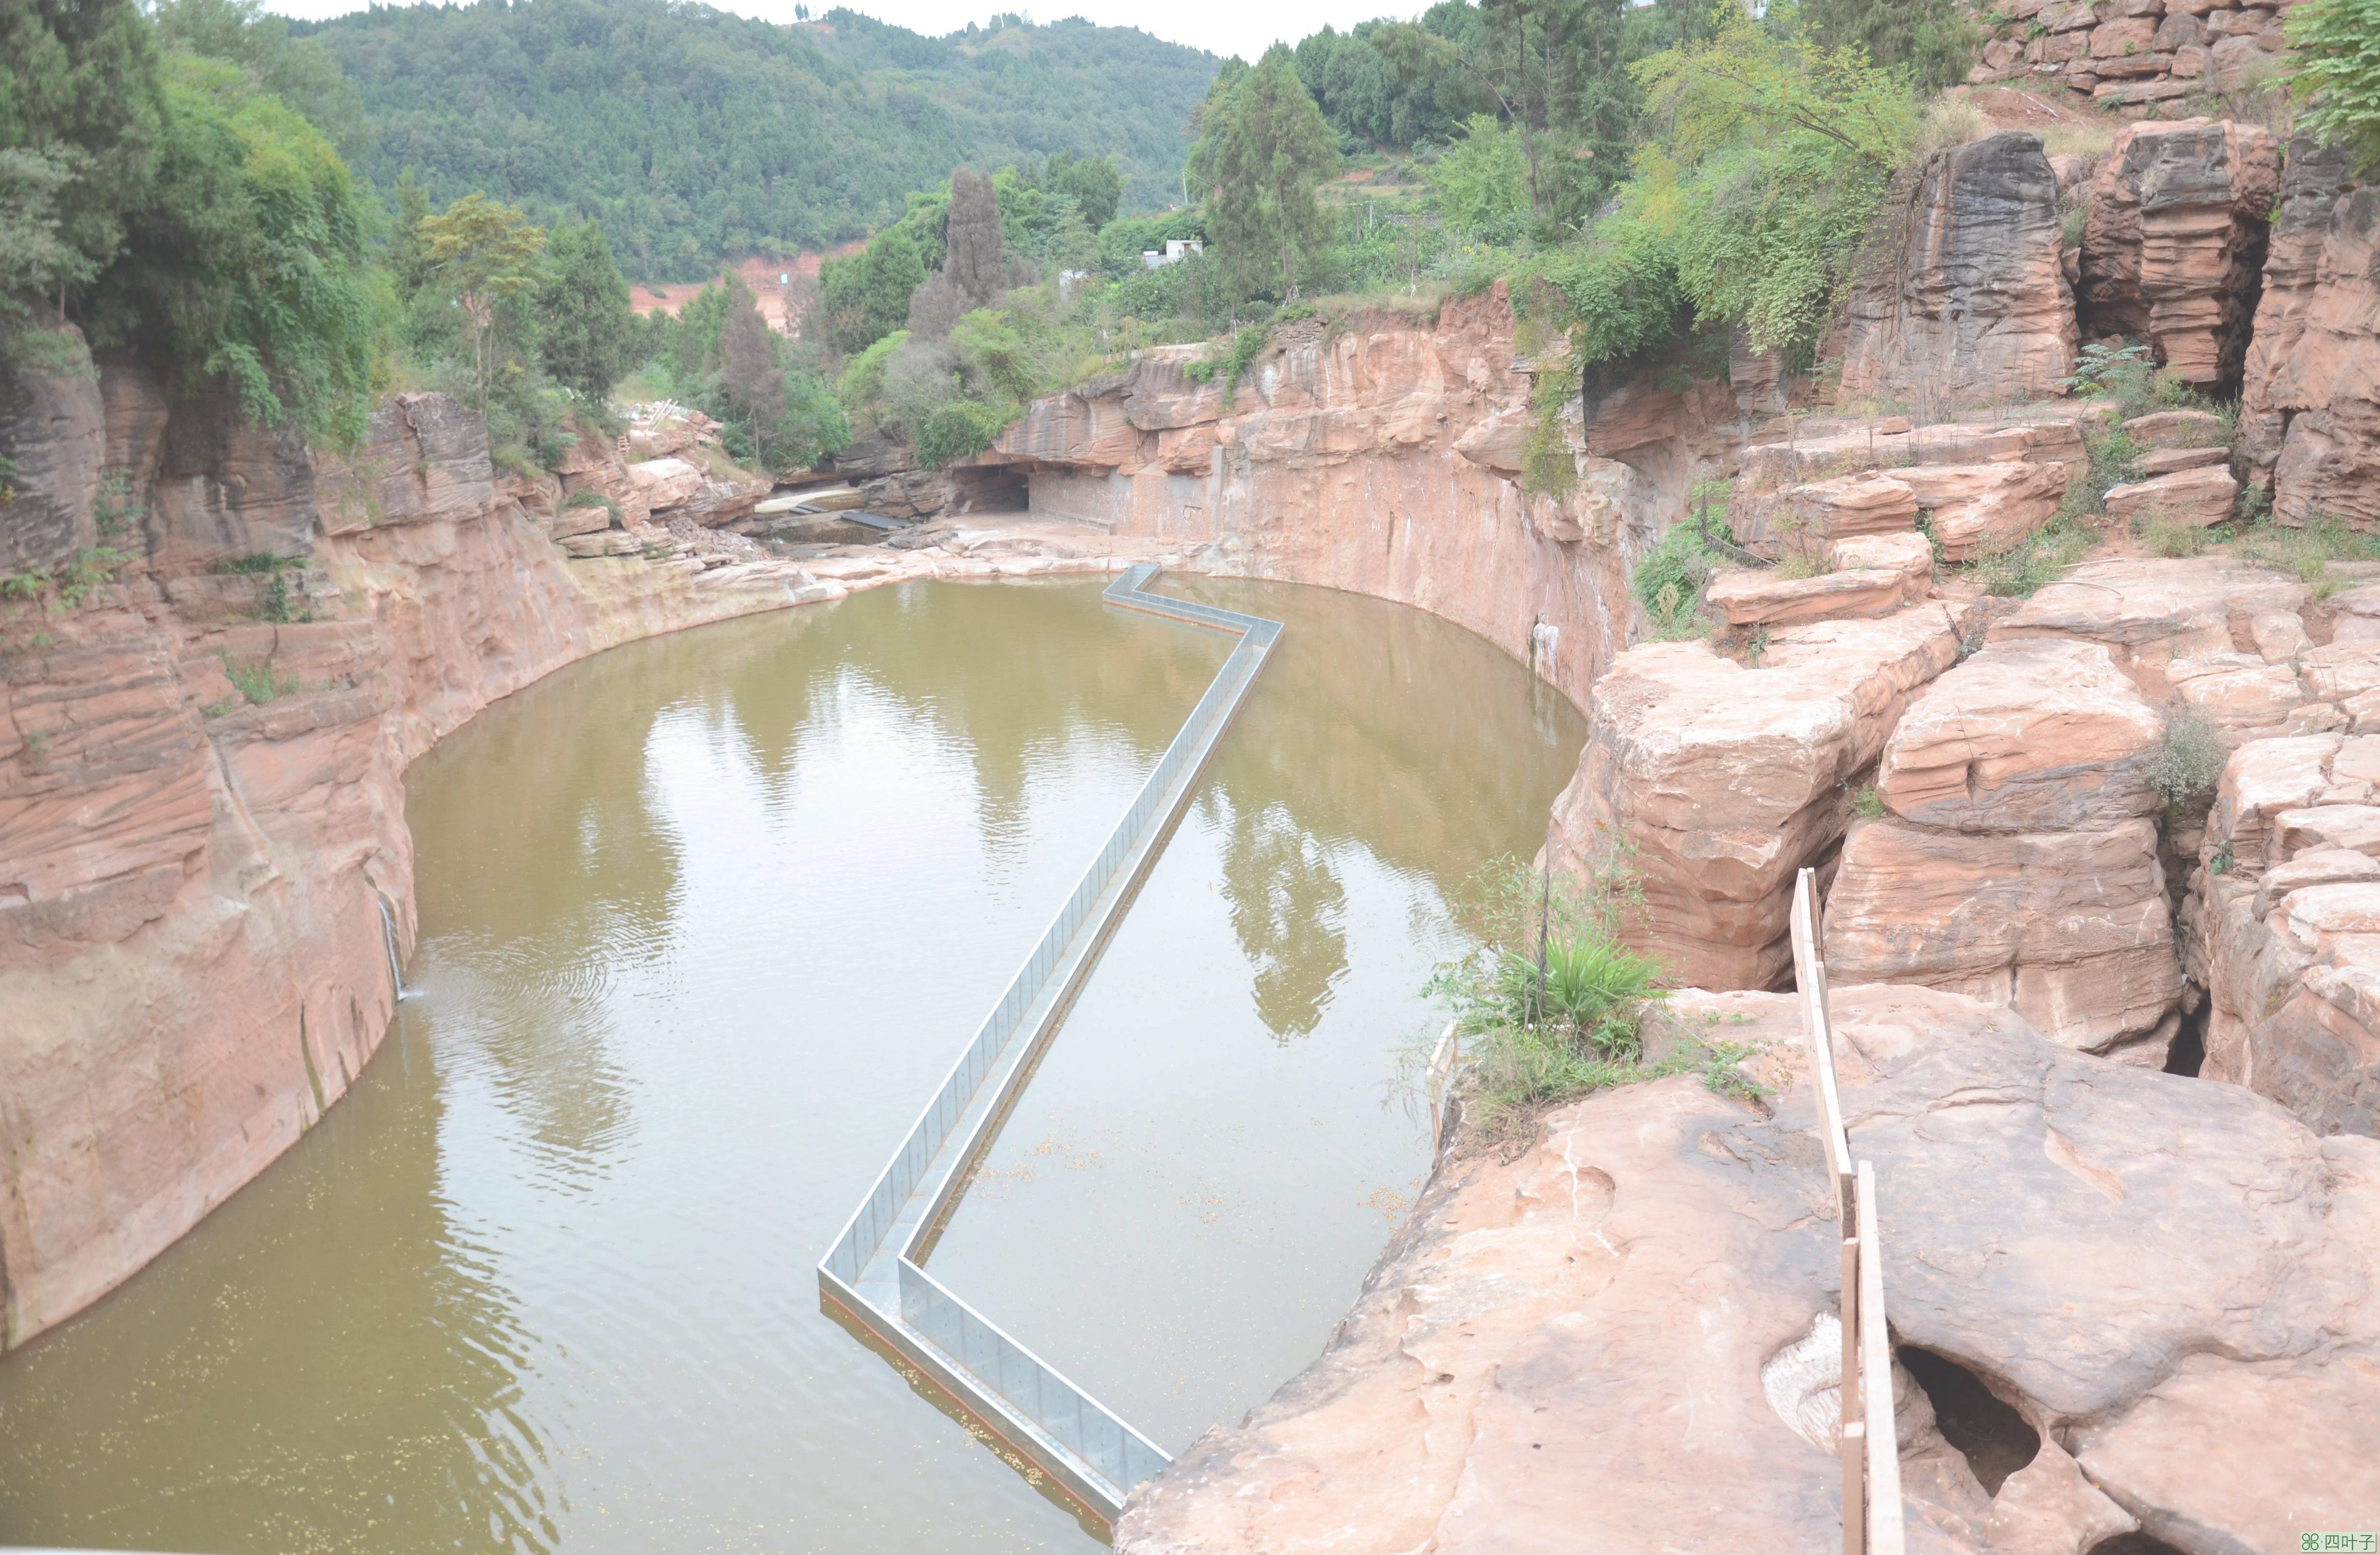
(704, 920)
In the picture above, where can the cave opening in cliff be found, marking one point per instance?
(2135, 1543)
(2187, 1053)
(1993, 1437)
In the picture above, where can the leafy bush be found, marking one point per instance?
(2188, 761)
(2169, 538)
(2338, 74)
(2115, 460)
(2101, 368)
(1482, 182)
(254, 679)
(2308, 551)
(1245, 346)
(958, 430)
(1539, 1033)
(1669, 582)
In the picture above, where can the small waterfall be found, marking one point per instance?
(388, 931)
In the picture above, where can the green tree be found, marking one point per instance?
(300, 72)
(488, 253)
(1093, 183)
(1934, 40)
(1263, 150)
(1555, 71)
(2338, 74)
(34, 259)
(245, 256)
(865, 296)
(586, 327)
(1482, 182)
(82, 93)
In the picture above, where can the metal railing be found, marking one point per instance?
(875, 1270)
(1870, 1441)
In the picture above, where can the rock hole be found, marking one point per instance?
(1994, 1437)
(2187, 1053)
(2132, 1544)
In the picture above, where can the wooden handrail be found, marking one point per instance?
(1870, 1439)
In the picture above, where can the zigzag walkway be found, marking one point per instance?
(875, 1275)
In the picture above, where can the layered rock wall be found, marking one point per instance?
(1386, 461)
(1971, 305)
(2173, 247)
(2311, 413)
(2132, 56)
(203, 860)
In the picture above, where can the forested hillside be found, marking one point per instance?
(693, 135)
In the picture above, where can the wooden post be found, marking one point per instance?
(1855, 1426)
(1884, 1525)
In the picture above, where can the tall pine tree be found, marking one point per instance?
(1263, 150)
(586, 327)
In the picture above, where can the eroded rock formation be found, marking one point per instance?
(2174, 248)
(1974, 306)
(2311, 412)
(1385, 459)
(2018, 859)
(1712, 781)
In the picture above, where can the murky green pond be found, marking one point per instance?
(704, 920)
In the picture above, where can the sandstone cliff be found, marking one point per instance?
(1971, 305)
(1385, 459)
(204, 870)
(2311, 412)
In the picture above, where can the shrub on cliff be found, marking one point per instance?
(2337, 72)
(1550, 1005)
(1768, 158)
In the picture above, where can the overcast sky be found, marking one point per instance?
(1246, 28)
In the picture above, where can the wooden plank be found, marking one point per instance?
(1854, 1488)
(1884, 1519)
(1810, 980)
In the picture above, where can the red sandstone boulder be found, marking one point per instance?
(2286, 919)
(2017, 866)
(1758, 597)
(1980, 509)
(2197, 497)
(2168, 461)
(2151, 612)
(1802, 521)
(1907, 552)
(2177, 429)
(1715, 780)
(2031, 736)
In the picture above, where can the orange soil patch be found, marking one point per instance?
(2010, 108)
(779, 286)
